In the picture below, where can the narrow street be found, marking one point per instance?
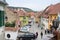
(35, 29)
(30, 20)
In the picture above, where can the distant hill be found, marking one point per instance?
(26, 9)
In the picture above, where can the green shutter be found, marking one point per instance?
(1, 18)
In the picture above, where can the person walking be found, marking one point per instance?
(45, 31)
(36, 34)
(41, 34)
(38, 25)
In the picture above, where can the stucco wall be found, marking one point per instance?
(1, 8)
(10, 14)
(13, 35)
(51, 18)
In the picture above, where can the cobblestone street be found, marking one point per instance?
(35, 29)
(30, 20)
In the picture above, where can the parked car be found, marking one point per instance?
(27, 36)
(28, 25)
(24, 29)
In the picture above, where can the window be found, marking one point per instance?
(59, 18)
(24, 17)
(18, 25)
(6, 18)
(24, 21)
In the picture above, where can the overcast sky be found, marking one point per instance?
(36, 5)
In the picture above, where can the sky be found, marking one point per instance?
(36, 5)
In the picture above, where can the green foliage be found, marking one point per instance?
(13, 24)
(7, 24)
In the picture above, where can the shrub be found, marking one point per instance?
(13, 24)
(7, 24)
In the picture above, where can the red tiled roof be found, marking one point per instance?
(39, 14)
(45, 15)
(53, 9)
(19, 12)
(31, 13)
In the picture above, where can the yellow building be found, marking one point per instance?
(10, 15)
(51, 18)
(52, 12)
(37, 17)
(37, 20)
(23, 17)
(24, 20)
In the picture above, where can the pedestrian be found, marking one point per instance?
(41, 34)
(48, 31)
(45, 31)
(36, 34)
(38, 25)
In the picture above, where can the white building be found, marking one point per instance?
(44, 23)
(2, 7)
(11, 33)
